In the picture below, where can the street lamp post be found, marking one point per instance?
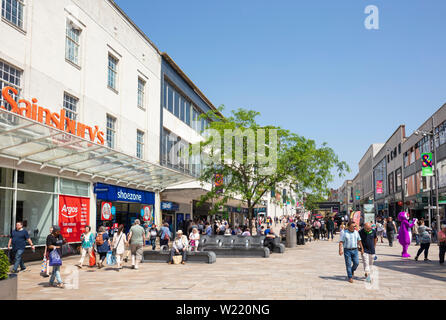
(434, 145)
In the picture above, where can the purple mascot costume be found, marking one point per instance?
(404, 235)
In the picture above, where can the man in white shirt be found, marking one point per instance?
(179, 246)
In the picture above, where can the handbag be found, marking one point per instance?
(92, 259)
(111, 259)
(55, 259)
(43, 268)
(177, 259)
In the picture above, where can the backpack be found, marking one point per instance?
(99, 240)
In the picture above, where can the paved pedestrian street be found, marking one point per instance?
(313, 271)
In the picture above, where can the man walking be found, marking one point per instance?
(300, 231)
(368, 241)
(18, 239)
(391, 228)
(330, 228)
(348, 246)
(137, 240)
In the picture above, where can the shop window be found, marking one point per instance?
(6, 208)
(74, 188)
(35, 210)
(35, 181)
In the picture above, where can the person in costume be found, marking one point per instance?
(404, 234)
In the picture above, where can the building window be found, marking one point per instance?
(139, 144)
(398, 174)
(9, 76)
(111, 131)
(12, 10)
(141, 90)
(72, 43)
(70, 106)
(399, 148)
(112, 72)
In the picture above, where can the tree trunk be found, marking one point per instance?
(250, 216)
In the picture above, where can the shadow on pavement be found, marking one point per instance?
(420, 268)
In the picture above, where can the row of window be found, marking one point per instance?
(11, 76)
(176, 154)
(182, 108)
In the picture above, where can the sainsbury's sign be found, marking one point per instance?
(57, 120)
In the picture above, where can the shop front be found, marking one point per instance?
(117, 205)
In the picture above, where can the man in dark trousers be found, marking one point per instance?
(269, 239)
(18, 239)
(300, 231)
(330, 228)
(391, 229)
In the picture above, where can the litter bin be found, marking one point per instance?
(291, 239)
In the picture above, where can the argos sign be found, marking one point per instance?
(74, 216)
(57, 120)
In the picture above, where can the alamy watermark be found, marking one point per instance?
(371, 22)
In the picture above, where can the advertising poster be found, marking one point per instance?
(74, 215)
(379, 187)
(106, 211)
(356, 217)
(148, 214)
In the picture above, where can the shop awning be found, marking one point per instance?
(26, 140)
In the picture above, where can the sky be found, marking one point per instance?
(310, 66)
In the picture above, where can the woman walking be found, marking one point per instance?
(87, 240)
(103, 245)
(425, 240)
(119, 243)
(55, 241)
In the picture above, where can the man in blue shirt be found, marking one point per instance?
(348, 246)
(208, 229)
(18, 239)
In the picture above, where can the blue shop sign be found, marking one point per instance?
(167, 205)
(109, 192)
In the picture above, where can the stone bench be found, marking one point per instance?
(192, 256)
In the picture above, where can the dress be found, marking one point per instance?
(119, 242)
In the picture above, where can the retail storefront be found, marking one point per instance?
(119, 205)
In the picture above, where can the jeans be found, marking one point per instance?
(351, 256)
(442, 252)
(18, 259)
(417, 239)
(424, 247)
(390, 236)
(270, 244)
(55, 275)
(330, 232)
(152, 242)
(301, 237)
(173, 252)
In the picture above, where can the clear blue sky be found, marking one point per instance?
(310, 66)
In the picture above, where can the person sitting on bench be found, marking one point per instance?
(179, 247)
(269, 239)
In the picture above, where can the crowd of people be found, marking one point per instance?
(118, 246)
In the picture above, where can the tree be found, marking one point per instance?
(254, 159)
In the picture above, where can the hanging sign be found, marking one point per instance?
(379, 187)
(106, 211)
(426, 165)
(74, 215)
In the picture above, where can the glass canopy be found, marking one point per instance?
(27, 140)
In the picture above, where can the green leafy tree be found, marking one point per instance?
(279, 158)
(4, 265)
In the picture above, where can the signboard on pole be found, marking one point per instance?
(426, 164)
(74, 216)
(358, 195)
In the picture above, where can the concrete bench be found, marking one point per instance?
(192, 256)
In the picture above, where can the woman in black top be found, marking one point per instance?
(55, 241)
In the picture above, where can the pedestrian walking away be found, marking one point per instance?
(368, 241)
(349, 244)
(137, 241)
(152, 234)
(165, 236)
(102, 245)
(380, 230)
(391, 229)
(55, 241)
(87, 243)
(425, 240)
(119, 243)
(330, 228)
(442, 243)
(17, 242)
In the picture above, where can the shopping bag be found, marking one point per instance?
(55, 259)
(43, 268)
(92, 259)
(111, 259)
(177, 259)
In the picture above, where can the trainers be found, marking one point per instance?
(416, 258)
(427, 260)
(133, 267)
(350, 280)
(368, 279)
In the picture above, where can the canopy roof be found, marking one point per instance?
(27, 140)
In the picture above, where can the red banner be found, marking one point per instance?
(148, 214)
(106, 214)
(74, 215)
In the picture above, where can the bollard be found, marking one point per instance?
(291, 239)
